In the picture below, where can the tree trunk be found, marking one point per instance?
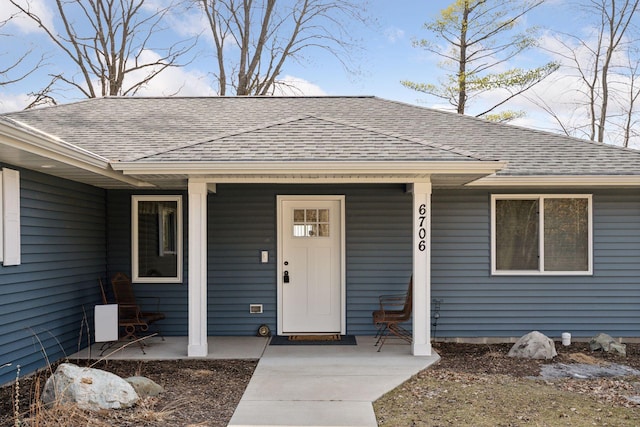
(462, 69)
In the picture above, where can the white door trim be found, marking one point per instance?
(280, 270)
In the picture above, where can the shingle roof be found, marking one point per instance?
(307, 138)
(314, 128)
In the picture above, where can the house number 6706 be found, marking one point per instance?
(422, 231)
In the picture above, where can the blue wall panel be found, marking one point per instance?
(476, 304)
(63, 254)
(169, 298)
(242, 222)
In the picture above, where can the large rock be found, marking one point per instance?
(534, 345)
(144, 386)
(92, 389)
(606, 343)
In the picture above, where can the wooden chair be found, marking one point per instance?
(130, 315)
(394, 310)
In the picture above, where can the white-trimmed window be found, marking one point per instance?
(156, 226)
(9, 217)
(541, 234)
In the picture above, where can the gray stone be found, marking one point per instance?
(91, 389)
(144, 386)
(585, 371)
(534, 345)
(606, 343)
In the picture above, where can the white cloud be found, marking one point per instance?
(295, 86)
(172, 81)
(394, 34)
(24, 24)
(13, 102)
(189, 23)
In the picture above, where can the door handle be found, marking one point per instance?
(285, 278)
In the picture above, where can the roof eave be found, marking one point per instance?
(303, 167)
(23, 136)
(557, 181)
(32, 142)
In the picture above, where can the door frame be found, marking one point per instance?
(279, 230)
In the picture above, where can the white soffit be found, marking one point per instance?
(378, 168)
(559, 181)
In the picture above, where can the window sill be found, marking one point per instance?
(541, 273)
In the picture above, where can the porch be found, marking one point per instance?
(320, 385)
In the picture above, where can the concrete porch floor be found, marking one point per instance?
(304, 385)
(176, 348)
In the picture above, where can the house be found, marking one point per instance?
(306, 209)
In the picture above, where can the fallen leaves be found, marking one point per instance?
(479, 385)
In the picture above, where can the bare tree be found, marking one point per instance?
(16, 69)
(629, 97)
(474, 38)
(107, 40)
(253, 39)
(604, 61)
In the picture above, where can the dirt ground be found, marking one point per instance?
(197, 393)
(206, 392)
(479, 385)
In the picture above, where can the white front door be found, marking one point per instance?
(311, 274)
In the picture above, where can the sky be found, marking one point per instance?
(387, 56)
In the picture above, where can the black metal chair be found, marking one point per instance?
(394, 310)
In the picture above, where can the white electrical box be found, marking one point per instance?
(255, 308)
(106, 322)
(264, 257)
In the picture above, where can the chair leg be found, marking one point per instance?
(395, 329)
(130, 331)
(380, 328)
(383, 337)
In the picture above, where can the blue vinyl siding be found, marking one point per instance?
(475, 304)
(63, 253)
(242, 222)
(169, 298)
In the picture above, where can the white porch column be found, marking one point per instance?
(197, 270)
(421, 268)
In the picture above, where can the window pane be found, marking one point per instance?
(323, 215)
(566, 234)
(312, 215)
(299, 230)
(298, 215)
(157, 241)
(517, 235)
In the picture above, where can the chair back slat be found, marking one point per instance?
(408, 303)
(102, 291)
(123, 289)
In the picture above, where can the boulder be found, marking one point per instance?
(534, 345)
(606, 343)
(91, 389)
(144, 386)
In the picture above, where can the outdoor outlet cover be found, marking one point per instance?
(264, 257)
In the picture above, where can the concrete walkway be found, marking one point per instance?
(324, 385)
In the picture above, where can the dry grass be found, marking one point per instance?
(198, 393)
(446, 398)
(478, 385)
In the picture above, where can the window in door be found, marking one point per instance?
(311, 223)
